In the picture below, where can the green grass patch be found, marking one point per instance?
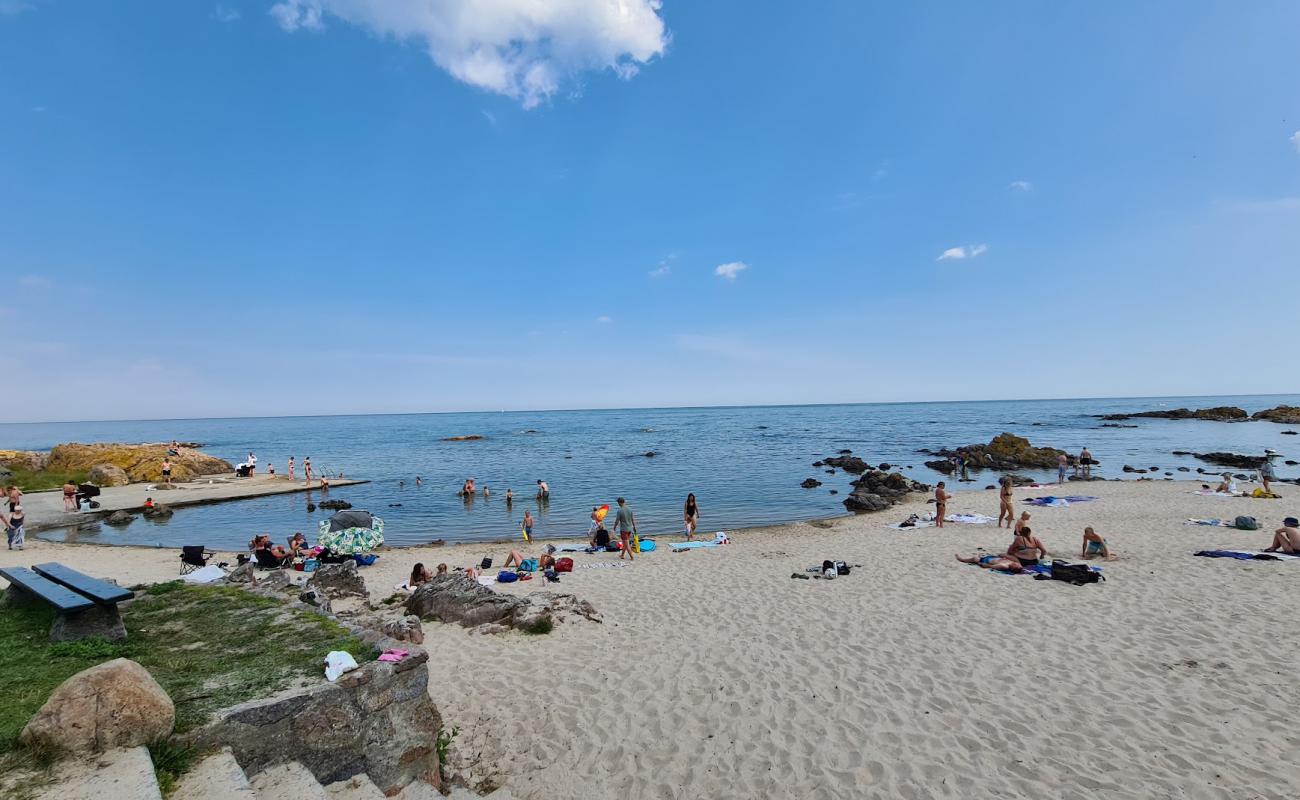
(209, 646)
(39, 480)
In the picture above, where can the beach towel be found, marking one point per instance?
(1217, 523)
(1212, 493)
(681, 546)
(206, 574)
(968, 519)
(603, 565)
(575, 548)
(1247, 555)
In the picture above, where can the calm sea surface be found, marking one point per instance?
(743, 464)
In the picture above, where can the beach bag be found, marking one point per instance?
(564, 564)
(365, 559)
(552, 575)
(647, 545)
(1077, 574)
(1245, 524)
(528, 565)
(506, 576)
(486, 563)
(841, 568)
(310, 565)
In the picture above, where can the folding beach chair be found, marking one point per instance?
(193, 557)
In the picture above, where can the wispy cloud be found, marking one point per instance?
(730, 270)
(40, 109)
(490, 117)
(524, 49)
(664, 268)
(1021, 186)
(35, 282)
(1295, 140)
(224, 13)
(604, 319)
(882, 171)
(958, 253)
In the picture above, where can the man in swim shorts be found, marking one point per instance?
(1095, 545)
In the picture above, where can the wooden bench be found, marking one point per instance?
(86, 606)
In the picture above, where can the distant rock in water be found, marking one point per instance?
(848, 463)
(473, 437)
(650, 454)
(945, 466)
(1216, 414)
(119, 518)
(810, 483)
(1232, 460)
(1005, 452)
(876, 491)
(1115, 425)
(1288, 433)
(846, 452)
(335, 505)
(1286, 415)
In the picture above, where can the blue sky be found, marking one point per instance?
(327, 206)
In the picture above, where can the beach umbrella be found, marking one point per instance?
(351, 540)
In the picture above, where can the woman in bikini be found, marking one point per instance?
(1026, 548)
(1000, 561)
(1006, 510)
(941, 498)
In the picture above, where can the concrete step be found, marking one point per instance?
(217, 777)
(360, 787)
(290, 781)
(116, 773)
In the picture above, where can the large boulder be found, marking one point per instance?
(876, 490)
(848, 463)
(338, 580)
(1286, 415)
(115, 704)
(120, 517)
(140, 462)
(107, 475)
(1006, 451)
(460, 599)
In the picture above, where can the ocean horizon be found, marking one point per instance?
(744, 463)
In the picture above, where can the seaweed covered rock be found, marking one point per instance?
(876, 490)
(1286, 415)
(1006, 451)
(140, 462)
(1216, 414)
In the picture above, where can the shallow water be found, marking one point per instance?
(743, 463)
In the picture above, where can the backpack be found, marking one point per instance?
(1077, 574)
(1245, 524)
(841, 568)
(528, 565)
(506, 576)
(486, 563)
(552, 575)
(564, 564)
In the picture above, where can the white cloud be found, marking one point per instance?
(224, 13)
(1021, 186)
(525, 49)
(730, 270)
(603, 319)
(34, 282)
(958, 253)
(1295, 140)
(664, 268)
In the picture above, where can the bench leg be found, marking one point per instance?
(104, 622)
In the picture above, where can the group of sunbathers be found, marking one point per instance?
(1027, 550)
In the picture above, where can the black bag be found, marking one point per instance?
(1077, 574)
(841, 568)
(486, 563)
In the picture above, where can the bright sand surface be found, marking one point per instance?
(717, 675)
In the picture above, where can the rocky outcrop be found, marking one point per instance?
(158, 511)
(140, 462)
(810, 483)
(119, 518)
(114, 704)
(944, 466)
(1006, 451)
(377, 720)
(336, 505)
(1232, 460)
(1286, 415)
(474, 437)
(876, 491)
(107, 475)
(848, 463)
(460, 599)
(1216, 414)
(336, 581)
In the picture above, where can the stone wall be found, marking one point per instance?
(377, 720)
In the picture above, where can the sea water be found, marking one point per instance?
(744, 464)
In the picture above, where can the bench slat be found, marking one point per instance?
(58, 596)
(94, 588)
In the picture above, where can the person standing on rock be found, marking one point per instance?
(1085, 463)
(290, 467)
(1006, 509)
(167, 471)
(941, 498)
(625, 527)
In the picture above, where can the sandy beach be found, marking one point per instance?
(716, 675)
